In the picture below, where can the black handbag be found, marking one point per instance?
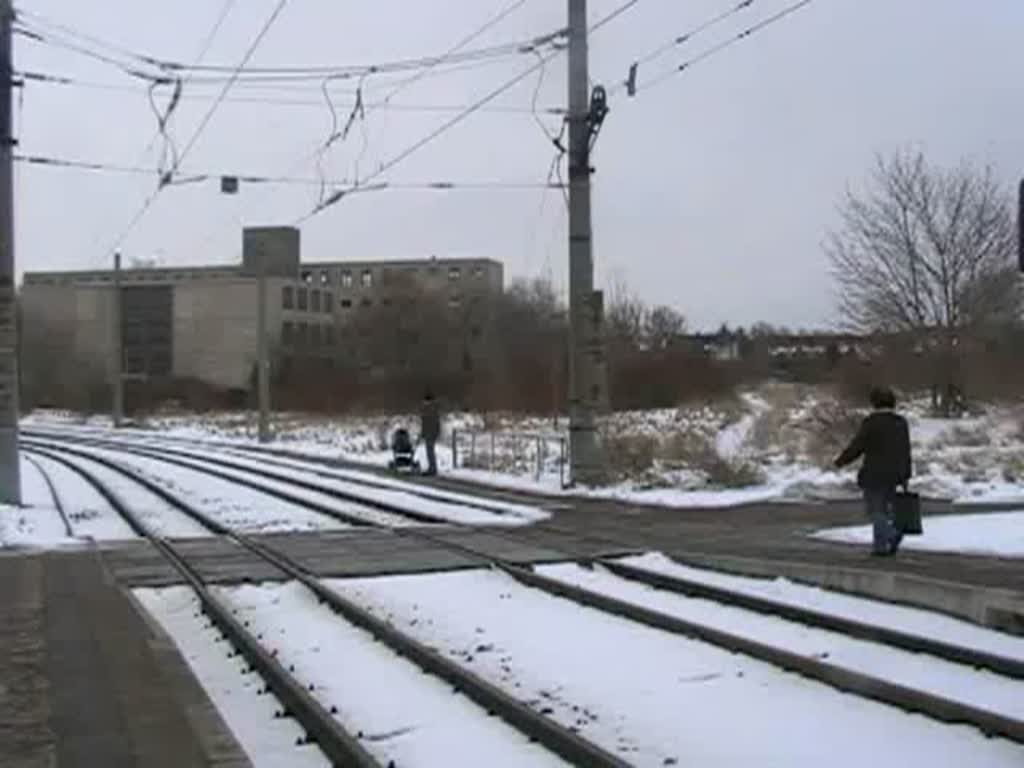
(906, 513)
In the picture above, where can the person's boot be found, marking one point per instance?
(894, 545)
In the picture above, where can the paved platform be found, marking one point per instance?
(86, 681)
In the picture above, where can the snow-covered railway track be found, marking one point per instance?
(370, 502)
(353, 483)
(863, 658)
(538, 739)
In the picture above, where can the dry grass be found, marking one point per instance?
(833, 424)
(643, 459)
(977, 436)
(1013, 468)
(629, 457)
(733, 473)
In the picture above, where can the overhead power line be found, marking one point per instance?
(75, 82)
(460, 45)
(339, 194)
(725, 44)
(613, 15)
(153, 68)
(693, 32)
(58, 163)
(42, 38)
(148, 203)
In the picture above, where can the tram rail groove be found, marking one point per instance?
(1002, 665)
(318, 465)
(841, 678)
(191, 461)
(850, 681)
(554, 737)
(340, 747)
(58, 503)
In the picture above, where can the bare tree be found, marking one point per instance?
(625, 317)
(663, 326)
(930, 252)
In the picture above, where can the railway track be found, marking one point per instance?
(340, 746)
(853, 681)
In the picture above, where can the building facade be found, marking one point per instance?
(200, 323)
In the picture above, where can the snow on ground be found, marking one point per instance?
(404, 715)
(917, 671)
(995, 534)
(774, 442)
(269, 741)
(730, 442)
(153, 512)
(527, 513)
(654, 697)
(404, 496)
(445, 506)
(234, 506)
(90, 515)
(912, 620)
(37, 523)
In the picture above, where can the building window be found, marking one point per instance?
(303, 300)
(455, 301)
(329, 335)
(325, 278)
(367, 279)
(303, 334)
(314, 301)
(366, 303)
(475, 332)
(307, 277)
(314, 335)
(454, 274)
(328, 302)
(386, 301)
(346, 279)
(287, 331)
(478, 273)
(346, 303)
(288, 297)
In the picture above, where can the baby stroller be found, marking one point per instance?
(403, 452)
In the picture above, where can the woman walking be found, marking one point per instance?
(884, 442)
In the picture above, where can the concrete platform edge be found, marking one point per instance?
(218, 742)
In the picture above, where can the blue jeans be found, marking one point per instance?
(878, 502)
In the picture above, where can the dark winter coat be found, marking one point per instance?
(884, 442)
(430, 421)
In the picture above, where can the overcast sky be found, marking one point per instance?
(713, 191)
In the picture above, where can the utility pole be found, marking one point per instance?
(118, 361)
(263, 366)
(10, 470)
(585, 307)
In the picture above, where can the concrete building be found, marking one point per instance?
(199, 323)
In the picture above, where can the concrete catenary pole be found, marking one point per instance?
(10, 475)
(263, 364)
(585, 458)
(118, 356)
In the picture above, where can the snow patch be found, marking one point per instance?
(999, 534)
